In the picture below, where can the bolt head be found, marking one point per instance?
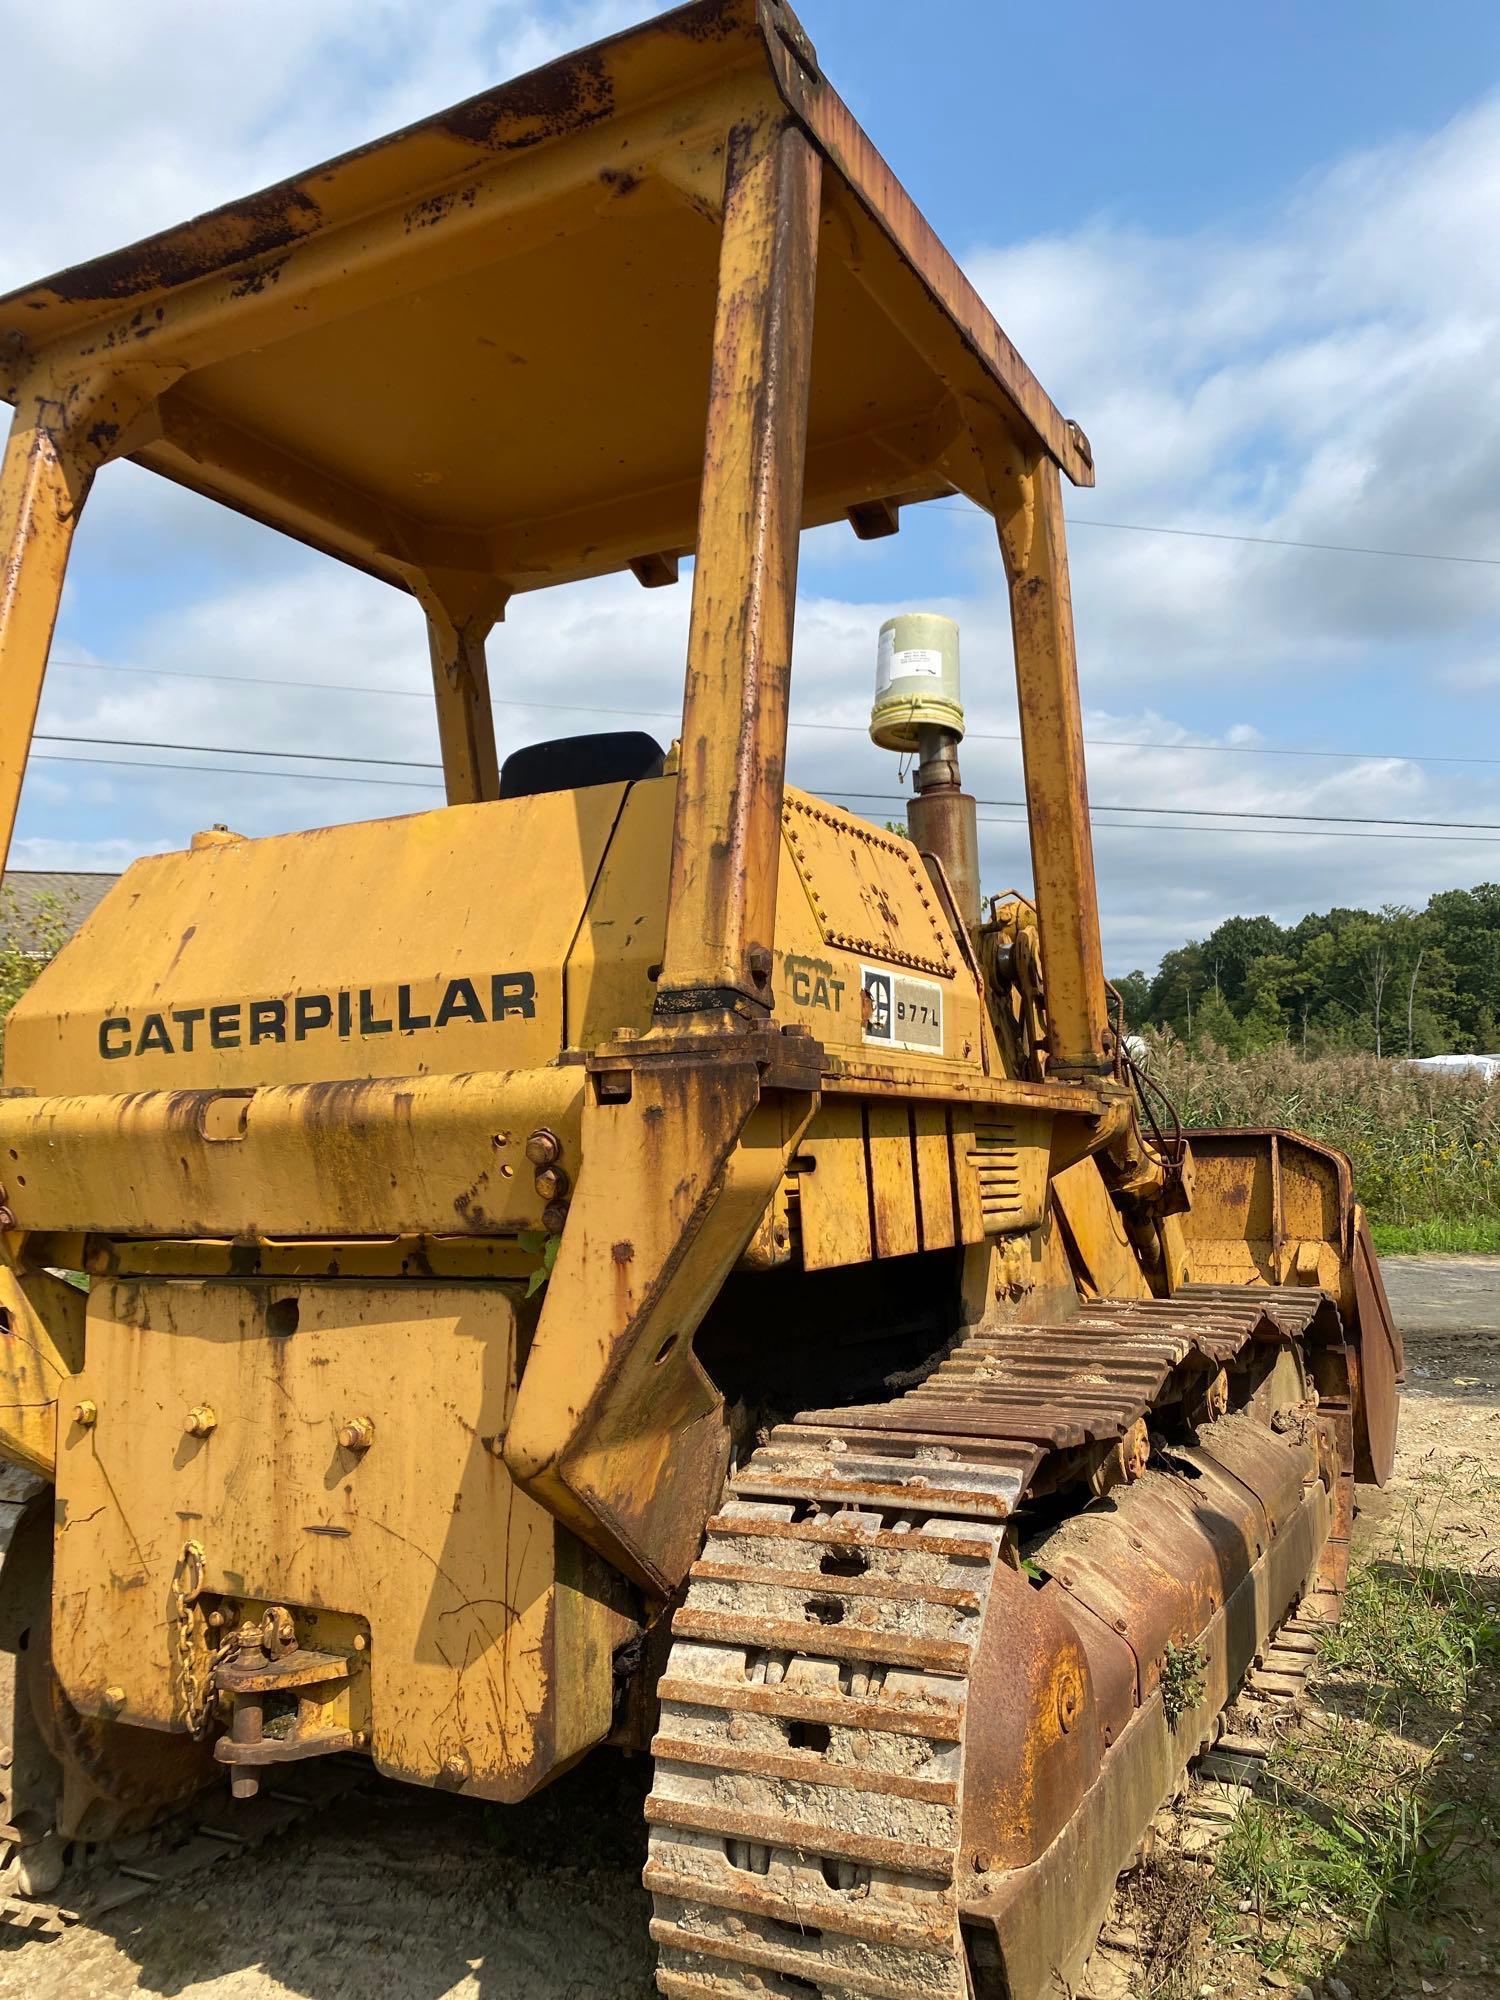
(551, 1183)
(112, 1700)
(357, 1433)
(86, 1414)
(554, 1215)
(543, 1147)
(201, 1421)
(457, 1769)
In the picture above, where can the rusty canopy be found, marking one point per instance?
(474, 356)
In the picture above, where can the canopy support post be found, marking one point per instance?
(58, 437)
(1029, 516)
(721, 909)
(461, 611)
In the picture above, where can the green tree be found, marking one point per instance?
(1268, 983)
(1230, 951)
(1176, 987)
(1213, 1021)
(27, 943)
(1135, 996)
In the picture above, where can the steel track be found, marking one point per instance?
(810, 1757)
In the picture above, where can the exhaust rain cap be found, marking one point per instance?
(916, 680)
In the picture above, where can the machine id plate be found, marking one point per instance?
(899, 1012)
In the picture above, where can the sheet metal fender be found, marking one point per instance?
(1029, 1928)
(1062, 1669)
(1032, 1739)
(617, 1429)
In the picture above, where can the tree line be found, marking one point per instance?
(1394, 981)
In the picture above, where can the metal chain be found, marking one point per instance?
(196, 1693)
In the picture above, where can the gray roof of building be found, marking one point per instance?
(36, 901)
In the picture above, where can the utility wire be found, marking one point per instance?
(248, 750)
(836, 728)
(1286, 542)
(1207, 812)
(1258, 541)
(887, 798)
(985, 819)
(1268, 832)
(237, 771)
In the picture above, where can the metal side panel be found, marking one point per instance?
(422, 1534)
(441, 1155)
(344, 952)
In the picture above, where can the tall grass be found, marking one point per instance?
(1425, 1147)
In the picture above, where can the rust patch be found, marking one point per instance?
(566, 96)
(254, 282)
(707, 20)
(274, 220)
(437, 207)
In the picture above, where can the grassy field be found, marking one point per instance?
(1370, 1843)
(1364, 1866)
(1425, 1148)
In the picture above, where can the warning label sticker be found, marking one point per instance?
(899, 1012)
(891, 665)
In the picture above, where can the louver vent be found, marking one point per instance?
(1011, 1177)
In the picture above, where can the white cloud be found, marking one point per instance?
(172, 107)
(1328, 373)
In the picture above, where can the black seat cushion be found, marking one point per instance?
(568, 763)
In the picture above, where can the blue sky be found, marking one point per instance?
(1251, 250)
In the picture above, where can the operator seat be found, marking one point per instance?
(569, 763)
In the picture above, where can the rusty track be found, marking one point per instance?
(806, 1812)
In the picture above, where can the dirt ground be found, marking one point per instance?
(418, 1898)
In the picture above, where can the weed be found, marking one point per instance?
(545, 1245)
(1447, 1236)
(1415, 1626)
(1351, 1838)
(1359, 1835)
(1181, 1680)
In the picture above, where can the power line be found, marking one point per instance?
(1258, 541)
(1286, 542)
(1268, 832)
(241, 750)
(888, 798)
(236, 771)
(1209, 812)
(1478, 839)
(835, 728)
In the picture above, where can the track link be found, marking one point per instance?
(805, 1814)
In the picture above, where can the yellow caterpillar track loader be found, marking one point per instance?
(901, 1396)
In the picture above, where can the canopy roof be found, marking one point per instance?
(481, 346)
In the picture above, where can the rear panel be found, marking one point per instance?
(433, 943)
